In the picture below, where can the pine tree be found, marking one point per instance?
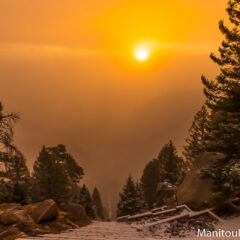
(129, 203)
(53, 176)
(97, 205)
(166, 193)
(142, 206)
(86, 201)
(167, 167)
(20, 177)
(76, 194)
(223, 99)
(8, 149)
(149, 180)
(171, 165)
(195, 144)
(172, 171)
(12, 162)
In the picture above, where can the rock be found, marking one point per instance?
(45, 211)
(182, 235)
(57, 227)
(26, 226)
(30, 208)
(174, 233)
(16, 236)
(174, 223)
(9, 232)
(6, 206)
(38, 231)
(76, 213)
(196, 191)
(14, 215)
(41, 218)
(70, 223)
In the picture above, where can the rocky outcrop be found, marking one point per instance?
(76, 213)
(9, 232)
(45, 211)
(195, 191)
(31, 220)
(14, 215)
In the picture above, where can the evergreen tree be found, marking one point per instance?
(150, 179)
(12, 162)
(195, 144)
(52, 175)
(140, 198)
(223, 99)
(129, 203)
(97, 205)
(171, 165)
(172, 171)
(166, 193)
(76, 194)
(167, 167)
(86, 201)
(8, 149)
(20, 178)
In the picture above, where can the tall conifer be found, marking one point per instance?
(195, 143)
(130, 202)
(86, 201)
(55, 174)
(97, 205)
(223, 99)
(150, 179)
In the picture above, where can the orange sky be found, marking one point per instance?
(67, 66)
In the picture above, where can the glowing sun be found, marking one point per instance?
(141, 54)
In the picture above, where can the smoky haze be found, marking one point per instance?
(112, 131)
(56, 71)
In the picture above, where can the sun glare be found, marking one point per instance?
(141, 54)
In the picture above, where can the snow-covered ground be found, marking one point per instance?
(98, 231)
(227, 225)
(122, 231)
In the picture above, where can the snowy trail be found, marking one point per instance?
(98, 231)
(122, 231)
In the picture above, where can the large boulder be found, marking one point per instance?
(16, 236)
(9, 232)
(39, 229)
(45, 211)
(6, 206)
(76, 213)
(196, 191)
(39, 218)
(14, 215)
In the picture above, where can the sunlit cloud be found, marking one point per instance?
(22, 50)
(199, 48)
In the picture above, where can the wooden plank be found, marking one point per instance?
(141, 215)
(166, 220)
(207, 211)
(165, 212)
